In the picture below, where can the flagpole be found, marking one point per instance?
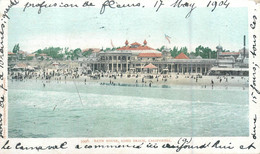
(168, 39)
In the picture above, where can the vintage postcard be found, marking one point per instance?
(108, 76)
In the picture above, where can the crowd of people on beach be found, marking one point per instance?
(118, 79)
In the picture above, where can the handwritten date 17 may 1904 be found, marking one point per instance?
(112, 4)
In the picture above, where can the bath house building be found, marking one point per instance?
(138, 57)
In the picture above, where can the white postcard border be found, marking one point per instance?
(248, 144)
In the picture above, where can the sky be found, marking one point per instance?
(86, 28)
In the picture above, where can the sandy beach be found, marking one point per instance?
(140, 79)
(172, 80)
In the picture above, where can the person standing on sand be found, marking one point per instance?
(212, 83)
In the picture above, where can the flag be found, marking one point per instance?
(112, 44)
(168, 38)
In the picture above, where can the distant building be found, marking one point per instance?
(93, 50)
(12, 56)
(223, 55)
(21, 55)
(31, 56)
(231, 63)
(42, 56)
(231, 59)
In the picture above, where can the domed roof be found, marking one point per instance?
(219, 47)
(198, 57)
(166, 49)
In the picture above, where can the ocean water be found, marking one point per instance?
(58, 110)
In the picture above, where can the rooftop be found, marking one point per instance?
(42, 54)
(150, 55)
(229, 53)
(150, 66)
(136, 48)
(136, 43)
(11, 53)
(182, 56)
(91, 49)
(21, 52)
(31, 55)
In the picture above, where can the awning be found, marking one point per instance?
(228, 69)
(150, 66)
(30, 68)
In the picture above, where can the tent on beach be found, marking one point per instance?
(19, 66)
(151, 68)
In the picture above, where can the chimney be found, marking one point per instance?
(126, 43)
(145, 42)
(244, 54)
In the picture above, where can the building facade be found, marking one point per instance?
(135, 57)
